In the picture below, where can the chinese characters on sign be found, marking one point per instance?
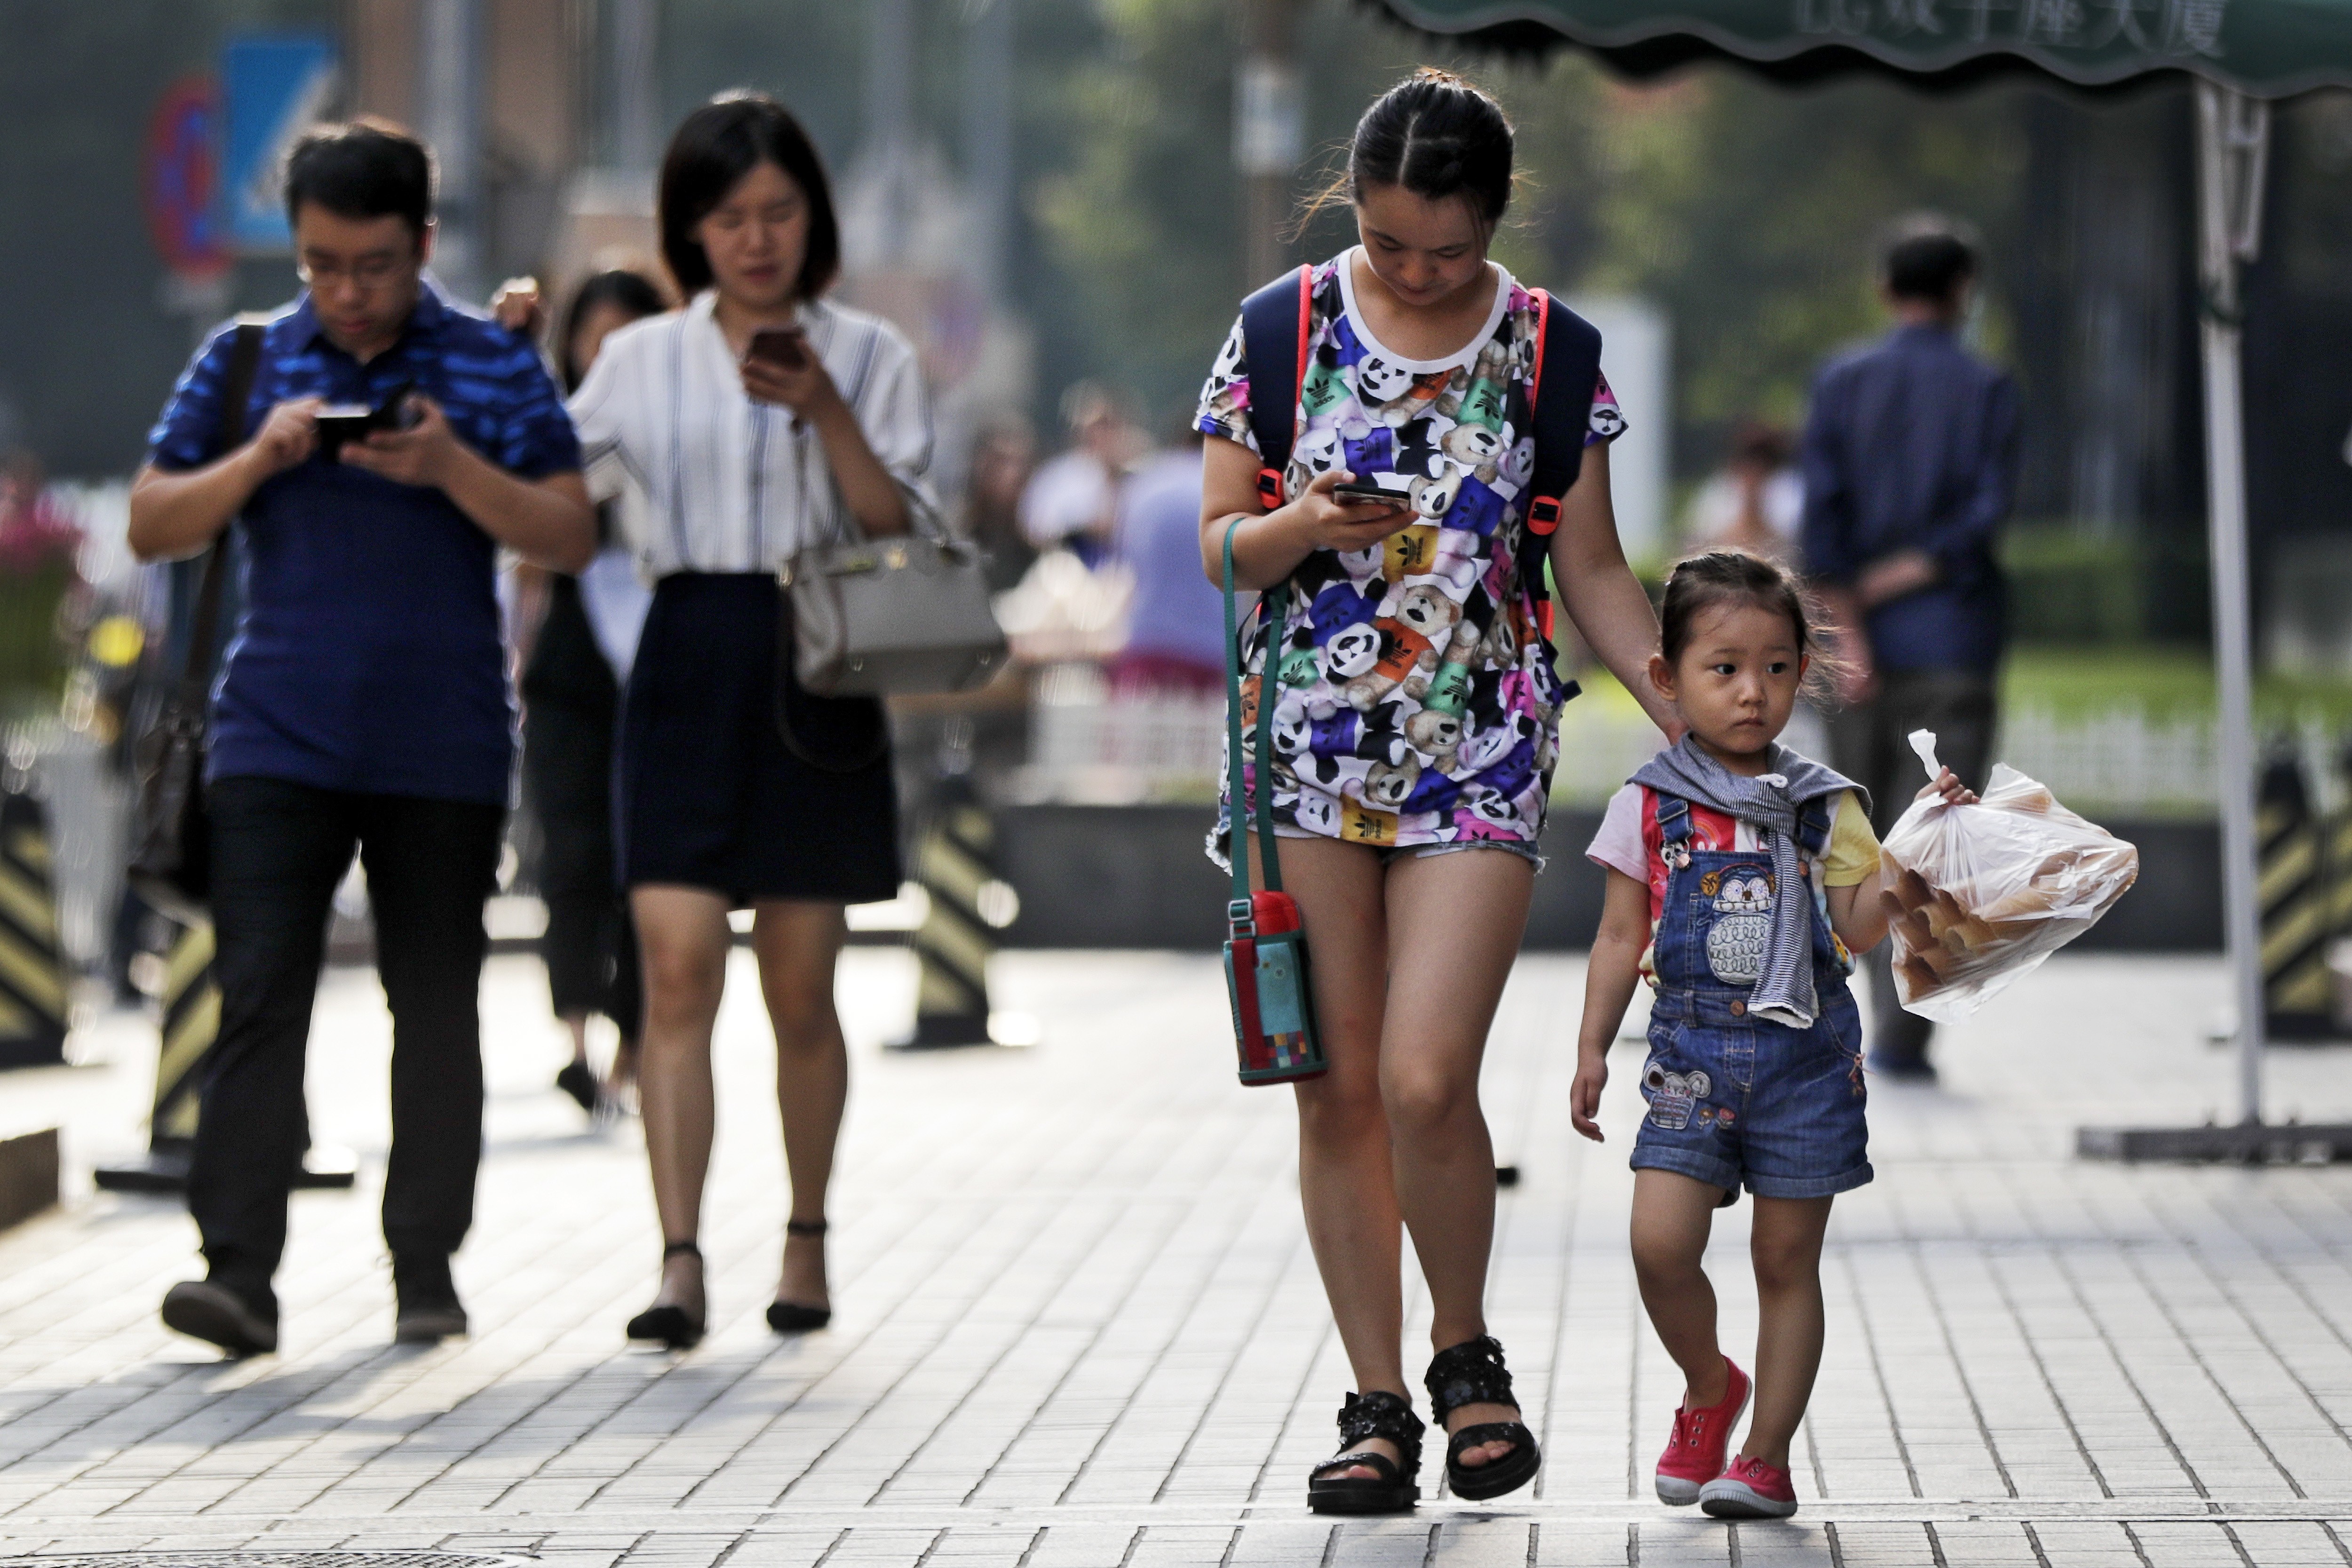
(2169, 28)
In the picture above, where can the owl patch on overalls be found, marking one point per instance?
(1741, 896)
(1673, 1096)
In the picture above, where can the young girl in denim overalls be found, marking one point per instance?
(1743, 878)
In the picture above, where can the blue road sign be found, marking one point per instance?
(273, 87)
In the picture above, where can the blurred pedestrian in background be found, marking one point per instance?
(364, 703)
(1176, 638)
(764, 420)
(576, 638)
(1755, 502)
(1072, 501)
(1910, 464)
(1411, 793)
(1003, 456)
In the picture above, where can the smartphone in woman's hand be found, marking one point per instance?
(782, 346)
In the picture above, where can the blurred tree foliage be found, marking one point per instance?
(1748, 212)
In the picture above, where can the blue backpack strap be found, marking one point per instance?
(1567, 359)
(1273, 346)
(1674, 815)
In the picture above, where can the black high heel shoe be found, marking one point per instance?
(1397, 1485)
(792, 1317)
(665, 1321)
(1473, 1374)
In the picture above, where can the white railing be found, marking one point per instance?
(1087, 747)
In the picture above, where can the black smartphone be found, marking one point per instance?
(1360, 492)
(340, 422)
(780, 346)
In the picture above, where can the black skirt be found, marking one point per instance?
(712, 795)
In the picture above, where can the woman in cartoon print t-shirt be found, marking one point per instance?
(1415, 718)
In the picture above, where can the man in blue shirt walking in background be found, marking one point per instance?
(364, 704)
(1909, 462)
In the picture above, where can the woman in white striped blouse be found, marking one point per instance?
(757, 421)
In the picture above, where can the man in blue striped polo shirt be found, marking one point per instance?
(363, 703)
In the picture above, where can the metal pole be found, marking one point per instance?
(450, 52)
(987, 136)
(633, 85)
(1269, 130)
(889, 113)
(2233, 138)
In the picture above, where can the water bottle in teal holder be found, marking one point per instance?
(1265, 945)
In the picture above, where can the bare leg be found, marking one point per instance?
(1459, 917)
(578, 1023)
(684, 936)
(1345, 1180)
(1786, 1248)
(798, 943)
(1672, 1215)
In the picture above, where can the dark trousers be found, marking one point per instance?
(278, 851)
(571, 713)
(1869, 744)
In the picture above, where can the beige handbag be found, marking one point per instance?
(900, 615)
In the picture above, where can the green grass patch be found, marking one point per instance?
(2166, 681)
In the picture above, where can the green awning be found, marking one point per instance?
(2267, 49)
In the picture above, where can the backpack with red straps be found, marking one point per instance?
(1275, 323)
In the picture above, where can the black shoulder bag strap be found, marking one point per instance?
(237, 393)
(1567, 350)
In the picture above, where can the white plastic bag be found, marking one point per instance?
(1986, 892)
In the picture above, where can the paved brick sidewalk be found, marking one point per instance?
(1078, 1326)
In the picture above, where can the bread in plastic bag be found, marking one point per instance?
(1984, 893)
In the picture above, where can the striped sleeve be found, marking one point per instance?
(887, 391)
(535, 433)
(189, 427)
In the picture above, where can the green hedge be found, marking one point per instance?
(2069, 588)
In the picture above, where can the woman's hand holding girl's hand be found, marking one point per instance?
(1584, 1094)
(1948, 784)
(805, 389)
(1332, 524)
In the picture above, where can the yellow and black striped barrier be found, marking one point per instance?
(36, 993)
(2293, 892)
(954, 865)
(188, 997)
(188, 1000)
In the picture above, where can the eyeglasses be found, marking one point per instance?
(369, 273)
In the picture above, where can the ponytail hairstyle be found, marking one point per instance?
(1436, 135)
(1702, 583)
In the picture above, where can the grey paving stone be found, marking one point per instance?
(1078, 1325)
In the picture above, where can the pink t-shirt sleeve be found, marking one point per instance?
(1618, 845)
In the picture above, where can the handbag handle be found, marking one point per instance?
(1272, 606)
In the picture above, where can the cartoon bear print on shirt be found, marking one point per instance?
(1742, 899)
(1411, 698)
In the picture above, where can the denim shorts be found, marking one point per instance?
(1735, 1100)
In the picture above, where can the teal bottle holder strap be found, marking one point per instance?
(1273, 606)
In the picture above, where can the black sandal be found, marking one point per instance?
(792, 1317)
(1474, 1373)
(665, 1321)
(1398, 1486)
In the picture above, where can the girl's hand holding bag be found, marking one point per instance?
(1266, 949)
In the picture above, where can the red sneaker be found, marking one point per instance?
(1750, 1489)
(1694, 1455)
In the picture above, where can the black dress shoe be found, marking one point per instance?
(668, 1324)
(1901, 1068)
(580, 1083)
(218, 1315)
(426, 1309)
(799, 1317)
